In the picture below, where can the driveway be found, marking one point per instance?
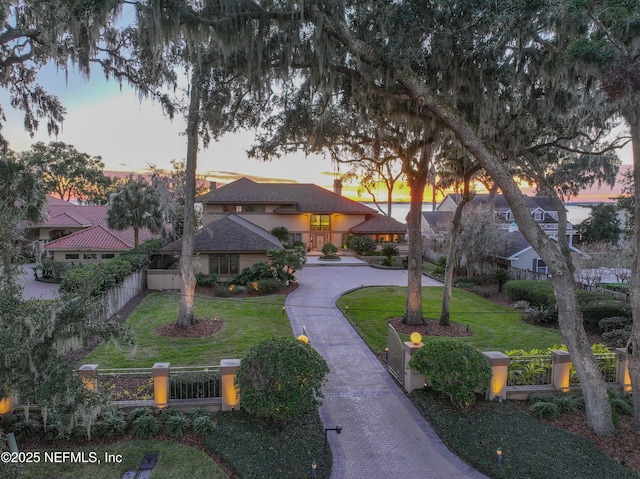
(36, 289)
(383, 434)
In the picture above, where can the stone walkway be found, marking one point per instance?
(383, 434)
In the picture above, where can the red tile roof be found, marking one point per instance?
(97, 238)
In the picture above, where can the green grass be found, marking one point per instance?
(530, 448)
(247, 321)
(495, 327)
(175, 461)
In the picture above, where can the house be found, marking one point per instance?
(517, 251)
(80, 234)
(541, 208)
(311, 214)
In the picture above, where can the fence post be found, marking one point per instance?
(230, 396)
(412, 379)
(89, 376)
(499, 363)
(561, 364)
(622, 370)
(160, 384)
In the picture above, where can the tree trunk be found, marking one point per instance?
(413, 315)
(633, 120)
(187, 276)
(456, 228)
(598, 408)
(136, 236)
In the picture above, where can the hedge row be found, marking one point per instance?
(594, 306)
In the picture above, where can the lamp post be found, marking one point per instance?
(337, 429)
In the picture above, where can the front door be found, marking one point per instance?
(319, 240)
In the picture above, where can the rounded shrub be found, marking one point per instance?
(617, 338)
(329, 249)
(176, 425)
(544, 409)
(453, 368)
(614, 322)
(362, 244)
(281, 378)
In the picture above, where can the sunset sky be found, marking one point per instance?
(130, 134)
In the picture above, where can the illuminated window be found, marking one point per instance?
(320, 222)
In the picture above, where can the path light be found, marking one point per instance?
(303, 338)
(499, 457)
(416, 338)
(314, 468)
(337, 429)
(283, 309)
(362, 285)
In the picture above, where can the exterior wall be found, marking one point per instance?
(163, 279)
(525, 260)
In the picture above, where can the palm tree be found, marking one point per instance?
(136, 206)
(22, 197)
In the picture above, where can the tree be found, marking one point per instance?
(287, 261)
(67, 173)
(136, 206)
(22, 198)
(35, 33)
(602, 225)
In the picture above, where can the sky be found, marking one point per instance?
(129, 134)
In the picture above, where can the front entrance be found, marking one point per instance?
(319, 240)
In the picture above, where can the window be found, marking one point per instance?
(72, 256)
(320, 222)
(538, 215)
(243, 208)
(539, 266)
(295, 237)
(223, 264)
(90, 256)
(107, 256)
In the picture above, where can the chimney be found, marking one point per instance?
(337, 186)
(213, 186)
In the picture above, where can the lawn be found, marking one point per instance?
(247, 321)
(174, 460)
(495, 327)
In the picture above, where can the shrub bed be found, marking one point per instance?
(530, 448)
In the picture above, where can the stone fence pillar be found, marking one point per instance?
(160, 384)
(230, 396)
(622, 370)
(561, 370)
(412, 379)
(89, 376)
(499, 363)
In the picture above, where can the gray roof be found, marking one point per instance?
(292, 197)
(229, 233)
(437, 218)
(500, 203)
(515, 243)
(380, 224)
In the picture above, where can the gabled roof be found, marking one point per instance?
(52, 200)
(90, 214)
(291, 197)
(99, 238)
(229, 233)
(380, 224)
(67, 219)
(516, 244)
(437, 218)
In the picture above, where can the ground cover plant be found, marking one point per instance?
(494, 327)
(246, 322)
(258, 448)
(530, 448)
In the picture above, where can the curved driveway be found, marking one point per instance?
(383, 434)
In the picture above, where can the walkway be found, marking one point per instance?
(383, 434)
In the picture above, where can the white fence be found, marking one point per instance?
(112, 301)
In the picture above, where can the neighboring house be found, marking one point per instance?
(79, 233)
(310, 213)
(542, 209)
(518, 253)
